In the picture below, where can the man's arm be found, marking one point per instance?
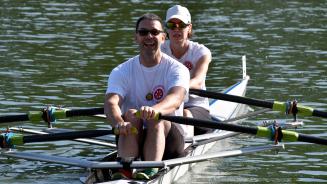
(172, 101)
(169, 104)
(112, 108)
(200, 72)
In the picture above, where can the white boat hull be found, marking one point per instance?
(220, 111)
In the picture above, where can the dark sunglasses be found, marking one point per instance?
(172, 25)
(145, 32)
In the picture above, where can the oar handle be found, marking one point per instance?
(156, 116)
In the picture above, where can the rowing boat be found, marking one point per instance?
(220, 111)
(225, 113)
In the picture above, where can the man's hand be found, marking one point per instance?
(124, 128)
(147, 113)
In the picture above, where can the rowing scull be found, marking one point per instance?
(220, 111)
(171, 170)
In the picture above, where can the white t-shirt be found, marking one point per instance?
(190, 59)
(132, 81)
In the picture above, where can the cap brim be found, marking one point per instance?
(178, 17)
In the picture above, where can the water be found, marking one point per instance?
(58, 52)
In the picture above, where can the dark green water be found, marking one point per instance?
(60, 53)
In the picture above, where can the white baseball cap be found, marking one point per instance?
(179, 12)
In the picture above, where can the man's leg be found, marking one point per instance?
(154, 145)
(128, 145)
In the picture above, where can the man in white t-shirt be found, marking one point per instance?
(196, 57)
(150, 82)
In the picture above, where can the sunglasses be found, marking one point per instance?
(145, 32)
(172, 25)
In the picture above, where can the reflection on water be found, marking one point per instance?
(61, 53)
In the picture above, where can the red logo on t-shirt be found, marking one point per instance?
(189, 65)
(158, 92)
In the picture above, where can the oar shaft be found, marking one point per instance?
(211, 124)
(66, 136)
(84, 112)
(258, 131)
(319, 113)
(312, 139)
(13, 118)
(58, 113)
(275, 105)
(232, 98)
(11, 139)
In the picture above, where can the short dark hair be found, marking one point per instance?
(148, 16)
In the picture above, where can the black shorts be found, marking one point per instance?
(174, 146)
(203, 114)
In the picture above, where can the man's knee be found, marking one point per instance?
(187, 113)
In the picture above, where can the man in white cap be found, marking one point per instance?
(196, 57)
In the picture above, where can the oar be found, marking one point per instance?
(51, 114)
(10, 139)
(108, 142)
(275, 105)
(259, 131)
